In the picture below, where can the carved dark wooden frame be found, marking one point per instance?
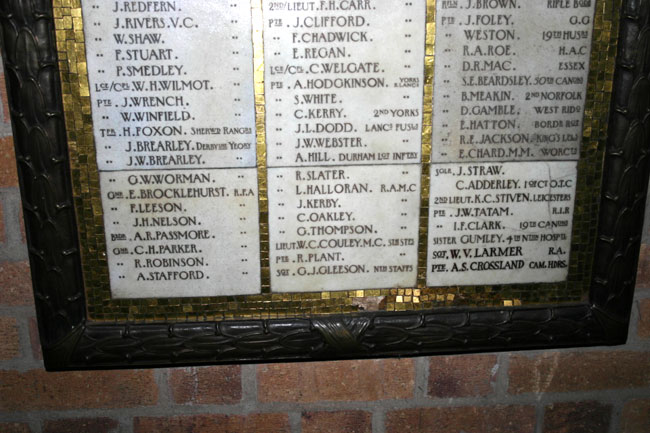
(70, 341)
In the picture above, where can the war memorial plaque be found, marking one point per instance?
(344, 88)
(299, 161)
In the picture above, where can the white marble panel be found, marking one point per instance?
(182, 233)
(510, 79)
(343, 228)
(500, 223)
(171, 83)
(344, 82)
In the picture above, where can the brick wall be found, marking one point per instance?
(602, 390)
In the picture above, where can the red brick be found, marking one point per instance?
(587, 371)
(499, 419)
(209, 385)
(580, 417)
(3, 97)
(462, 376)
(643, 270)
(255, 423)
(21, 223)
(636, 417)
(39, 390)
(14, 427)
(644, 318)
(37, 352)
(337, 422)
(3, 237)
(8, 170)
(365, 380)
(9, 340)
(15, 284)
(81, 425)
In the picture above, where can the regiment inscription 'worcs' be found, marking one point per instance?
(316, 146)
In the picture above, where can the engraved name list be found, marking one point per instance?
(173, 111)
(346, 97)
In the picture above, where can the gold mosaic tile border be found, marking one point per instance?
(87, 200)
(260, 126)
(427, 138)
(79, 126)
